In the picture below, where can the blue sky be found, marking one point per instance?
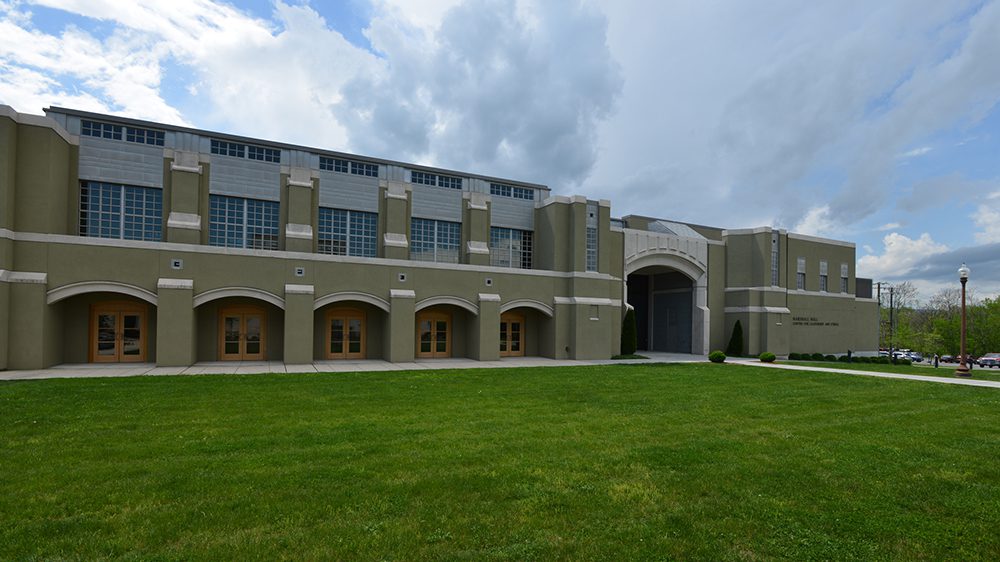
(875, 123)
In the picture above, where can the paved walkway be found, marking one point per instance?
(946, 379)
(91, 370)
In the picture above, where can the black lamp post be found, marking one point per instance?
(963, 369)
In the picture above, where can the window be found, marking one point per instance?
(591, 249)
(425, 178)
(235, 222)
(109, 210)
(265, 154)
(822, 276)
(843, 277)
(774, 259)
(433, 240)
(144, 136)
(239, 150)
(348, 167)
(800, 274)
(347, 233)
(503, 190)
(510, 247)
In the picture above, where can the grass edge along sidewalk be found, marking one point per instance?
(626, 461)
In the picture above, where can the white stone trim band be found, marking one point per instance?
(587, 300)
(479, 248)
(489, 297)
(291, 289)
(186, 221)
(165, 283)
(299, 231)
(402, 294)
(767, 309)
(395, 240)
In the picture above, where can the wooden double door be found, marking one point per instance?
(511, 335)
(433, 334)
(242, 333)
(118, 332)
(345, 334)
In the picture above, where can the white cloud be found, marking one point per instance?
(889, 226)
(916, 152)
(900, 257)
(987, 217)
(818, 222)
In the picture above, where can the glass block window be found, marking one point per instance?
(510, 247)
(433, 240)
(264, 154)
(347, 233)
(591, 249)
(843, 277)
(109, 210)
(822, 276)
(800, 274)
(101, 130)
(235, 222)
(503, 190)
(439, 180)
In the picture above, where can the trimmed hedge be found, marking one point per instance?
(767, 357)
(817, 357)
(717, 356)
(794, 356)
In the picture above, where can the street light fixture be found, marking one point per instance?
(963, 369)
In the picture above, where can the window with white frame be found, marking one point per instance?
(347, 233)
(110, 210)
(510, 247)
(235, 222)
(823, 276)
(800, 274)
(591, 249)
(434, 240)
(843, 277)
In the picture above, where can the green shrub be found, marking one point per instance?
(829, 358)
(863, 359)
(717, 356)
(817, 357)
(735, 347)
(767, 357)
(794, 357)
(844, 359)
(882, 360)
(903, 362)
(628, 333)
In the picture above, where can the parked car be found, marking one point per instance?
(916, 357)
(947, 359)
(990, 360)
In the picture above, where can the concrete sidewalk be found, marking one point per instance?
(945, 380)
(91, 370)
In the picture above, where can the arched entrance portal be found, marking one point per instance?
(664, 300)
(667, 284)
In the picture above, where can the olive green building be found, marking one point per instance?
(125, 240)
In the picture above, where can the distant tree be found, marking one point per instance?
(735, 347)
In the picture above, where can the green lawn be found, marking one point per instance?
(944, 369)
(624, 462)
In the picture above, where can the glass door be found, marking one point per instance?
(118, 333)
(241, 334)
(345, 334)
(433, 335)
(511, 335)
